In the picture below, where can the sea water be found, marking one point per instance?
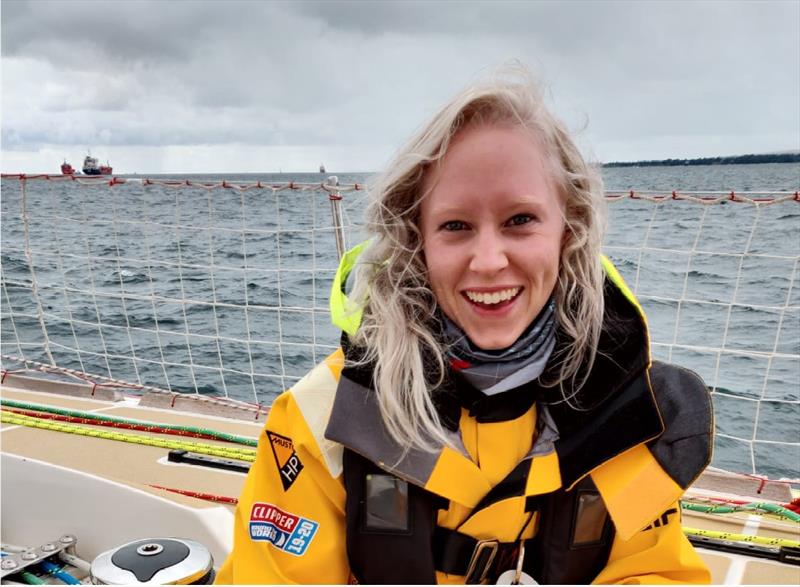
(104, 255)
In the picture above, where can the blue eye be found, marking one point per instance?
(453, 225)
(520, 219)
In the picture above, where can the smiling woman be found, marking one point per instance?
(493, 394)
(492, 226)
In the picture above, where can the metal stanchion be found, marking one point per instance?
(336, 211)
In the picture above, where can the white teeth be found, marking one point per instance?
(494, 297)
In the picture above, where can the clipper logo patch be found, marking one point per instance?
(289, 465)
(285, 531)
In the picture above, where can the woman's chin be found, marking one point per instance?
(493, 341)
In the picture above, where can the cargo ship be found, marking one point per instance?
(92, 167)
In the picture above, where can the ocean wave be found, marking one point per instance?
(127, 276)
(675, 228)
(706, 275)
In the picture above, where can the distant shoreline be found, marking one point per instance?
(735, 160)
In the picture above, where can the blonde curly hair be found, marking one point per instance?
(391, 280)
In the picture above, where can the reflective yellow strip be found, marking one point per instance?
(241, 454)
(344, 313)
(619, 281)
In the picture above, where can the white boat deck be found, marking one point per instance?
(138, 467)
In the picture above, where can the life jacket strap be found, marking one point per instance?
(462, 555)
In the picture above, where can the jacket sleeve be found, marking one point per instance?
(659, 554)
(289, 524)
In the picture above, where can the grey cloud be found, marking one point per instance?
(273, 73)
(124, 32)
(425, 17)
(208, 54)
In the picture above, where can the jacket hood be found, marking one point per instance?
(345, 313)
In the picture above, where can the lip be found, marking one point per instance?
(497, 310)
(491, 289)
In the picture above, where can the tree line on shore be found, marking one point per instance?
(733, 160)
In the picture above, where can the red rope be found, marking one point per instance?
(765, 480)
(726, 500)
(632, 194)
(199, 495)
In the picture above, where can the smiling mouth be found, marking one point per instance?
(493, 299)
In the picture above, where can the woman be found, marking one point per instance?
(493, 412)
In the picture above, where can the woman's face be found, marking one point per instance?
(492, 230)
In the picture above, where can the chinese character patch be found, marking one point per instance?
(285, 531)
(289, 465)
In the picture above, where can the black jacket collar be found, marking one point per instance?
(617, 409)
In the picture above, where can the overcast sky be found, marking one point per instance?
(191, 87)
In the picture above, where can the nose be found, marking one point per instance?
(488, 253)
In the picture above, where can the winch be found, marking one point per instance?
(154, 560)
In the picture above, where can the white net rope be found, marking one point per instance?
(221, 288)
(717, 276)
(175, 285)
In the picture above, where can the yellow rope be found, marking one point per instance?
(764, 540)
(249, 455)
(242, 454)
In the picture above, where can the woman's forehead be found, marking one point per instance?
(492, 163)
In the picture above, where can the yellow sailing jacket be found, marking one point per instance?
(636, 450)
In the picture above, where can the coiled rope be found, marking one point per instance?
(81, 417)
(241, 454)
(753, 508)
(749, 538)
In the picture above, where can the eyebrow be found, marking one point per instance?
(535, 204)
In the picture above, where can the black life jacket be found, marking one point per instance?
(571, 544)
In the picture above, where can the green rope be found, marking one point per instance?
(30, 578)
(242, 454)
(233, 438)
(726, 509)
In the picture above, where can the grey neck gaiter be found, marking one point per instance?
(494, 372)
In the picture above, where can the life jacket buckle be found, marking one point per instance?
(481, 561)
